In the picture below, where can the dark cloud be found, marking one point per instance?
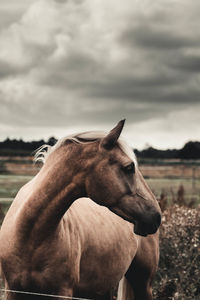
(61, 1)
(8, 18)
(148, 36)
(144, 89)
(6, 69)
(11, 11)
(187, 63)
(9, 70)
(65, 1)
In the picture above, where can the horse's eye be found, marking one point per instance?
(129, 169)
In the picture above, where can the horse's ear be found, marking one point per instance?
(110, 140)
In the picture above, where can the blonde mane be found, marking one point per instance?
(82, 138)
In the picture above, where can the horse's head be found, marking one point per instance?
(105, 169)
(115, 181)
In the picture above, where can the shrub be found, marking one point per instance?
(179, 268)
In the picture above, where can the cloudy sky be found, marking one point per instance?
(78, 65)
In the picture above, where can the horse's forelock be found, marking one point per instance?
(82, 138)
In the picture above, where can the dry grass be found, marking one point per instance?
(180, 198)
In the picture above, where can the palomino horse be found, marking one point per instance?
(52, 244)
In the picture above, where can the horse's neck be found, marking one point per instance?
(50, 197)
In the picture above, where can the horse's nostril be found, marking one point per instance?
(158, 219)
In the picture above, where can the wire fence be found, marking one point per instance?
(41, 295)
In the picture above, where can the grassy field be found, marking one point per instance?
(170, 188)
(163, 179)
(10, 184)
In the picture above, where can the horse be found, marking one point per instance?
(85, 226)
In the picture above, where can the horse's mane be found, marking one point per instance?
(82, 138)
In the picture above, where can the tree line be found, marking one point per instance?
(190, 150)
(13, 147)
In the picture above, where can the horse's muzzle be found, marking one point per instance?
(149, 226)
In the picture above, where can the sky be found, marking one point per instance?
(69, 66)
